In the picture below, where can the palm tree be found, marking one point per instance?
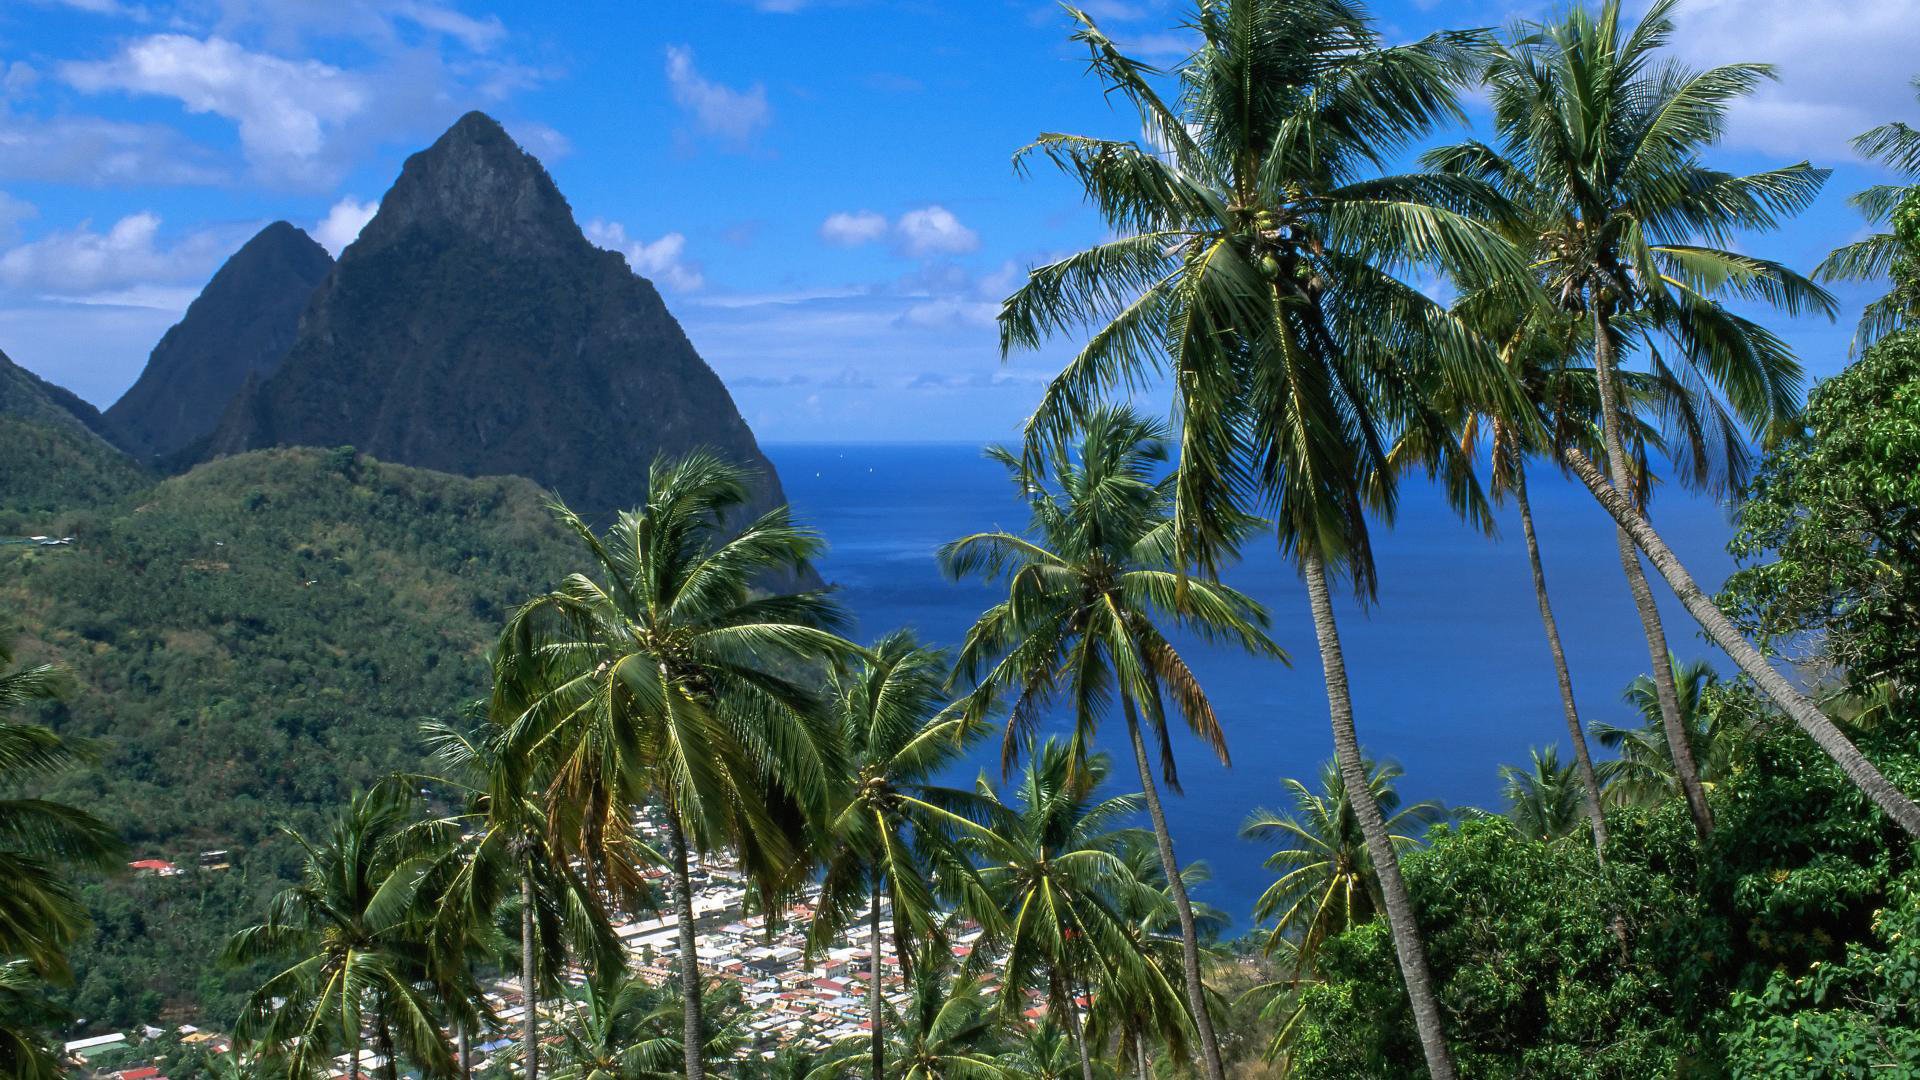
(1059, 889)
(41, 915)
(358, 943)
(891, 825)
(946, 1031)
(1327, 884)
(1131, 1020)
(1256, 267)
(1602, 141)
(672, 680)
(628, 1029)
(1643, 775)
(1544, 801)
(26, 1052)
(1897, 146)
(1043, 1051)
(509, 849)
(1089, 588)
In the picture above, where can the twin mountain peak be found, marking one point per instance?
(470, 329)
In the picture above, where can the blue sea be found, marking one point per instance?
(1450, 671)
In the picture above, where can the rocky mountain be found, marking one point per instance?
(239, 327)
(52, 451)
(473, 329)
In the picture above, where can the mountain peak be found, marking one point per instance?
(240, 326)
(477, 182)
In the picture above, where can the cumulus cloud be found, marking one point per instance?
(715, 109)
(662, 261)
(928, 231)
(853, 229)
(1844, 67)
(343, 223)
(284, 109)
(82, 261)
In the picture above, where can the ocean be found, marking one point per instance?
(1450, 671)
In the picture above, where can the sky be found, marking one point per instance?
(822, 189)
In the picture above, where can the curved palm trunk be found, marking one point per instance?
(1678, 744)
(1398, 906)
(1721, 630)
(1589, 780)
(1189, 938)
(1140, 1054)
(874, 1001)
(1073, 1023)
(691, 1025)
(529, 977)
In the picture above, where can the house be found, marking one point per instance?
(156, 867)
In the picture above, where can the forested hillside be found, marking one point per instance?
(253, 641)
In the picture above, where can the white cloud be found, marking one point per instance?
(928, 231)
(96, 151)
(540, 140)
(343, 223)
(662, 261)
(478, 35)
(951, 311)
(933, 230)
(12, 212)
(285, 109)
(80, 261)
(718, 110)
(1844, 67)
(853, 229)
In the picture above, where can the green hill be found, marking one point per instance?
(52, 453)
(253, 640)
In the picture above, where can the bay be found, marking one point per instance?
(1450, 671)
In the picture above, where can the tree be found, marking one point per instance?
(1256, 268)
(1891, 254)
(507, 849)
(1544, 800)
(1829, 563)
(1051, 869)
(26, 1051)
(1644, 774)
(667, 678)
(890, 825)
(1327, 883)
(624, 1028)
(41, 915)
(1591, 124)
(358, 944)
(1090, 586)
(946, 1030)
(1043, 1051)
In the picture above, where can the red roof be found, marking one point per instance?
(145, 1072)
(151, 864)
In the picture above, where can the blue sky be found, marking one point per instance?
(821, 189)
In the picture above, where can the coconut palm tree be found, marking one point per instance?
(1130, 1021)
(359, 946)
(1327, 882)
(946, 1031)
(1643, 774)
(1602, 140)
(41, 915)
(1257, 267)
(1090, 587)
(1059, 889)
(624, 1028)
(26, 1016)
(509, 857)
(1544, 800)
(667, 677)
(1043, 1051)
(890, 823)
(1880, 256)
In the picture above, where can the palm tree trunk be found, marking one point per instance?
(691, 1026)
(1722, 632)
(353, 1052)
(1140, 1054)
(873, 978)
(1407, 944)
(1189, 938)
(466, 1055)
(1589, 780)
(390, 1061)
(1073, 1023)
(529, 977)
(1679, 744)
